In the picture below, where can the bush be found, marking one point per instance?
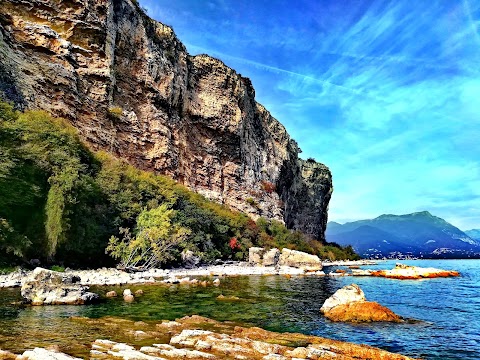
(251, 202)
(57, 268)
(115, 112)
(158, 240)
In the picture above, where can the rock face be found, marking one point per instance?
(287, 257)
(271, 257)
(129, 86)
(46, 287)
(349, 304)
(297, 259)
(255, 255)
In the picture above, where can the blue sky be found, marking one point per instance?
(385, 93)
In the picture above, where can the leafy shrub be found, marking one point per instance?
(156, 242)
(251, 202)
(115, 112)
(57, 268)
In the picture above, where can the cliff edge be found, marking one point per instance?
(130, 87)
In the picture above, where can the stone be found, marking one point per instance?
(347, 294)
(47, 287)
(110, 349)
(174, 353)
(216, 282)
(111, 294)
(43, 354)
(127, 292)
(139, 292)
(224, 340)
(7, 355)
(271, 257)
(362, 311)
(407, 272)
(299, 259)
(128, 298)
(197, 120)
(255, 255)
(349, 304)
(189, 259)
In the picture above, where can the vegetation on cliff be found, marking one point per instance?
(61, 202)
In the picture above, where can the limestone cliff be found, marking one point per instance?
(130, 87)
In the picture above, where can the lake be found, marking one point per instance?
(447, 310)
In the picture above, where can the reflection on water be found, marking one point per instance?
(276, 303)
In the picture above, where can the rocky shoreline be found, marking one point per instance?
(195, 337)
(112, 276)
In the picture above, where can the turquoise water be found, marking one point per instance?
(448, 310)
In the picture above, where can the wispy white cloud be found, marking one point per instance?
(385, 93)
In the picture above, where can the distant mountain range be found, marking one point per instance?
(418, 234)
(474, 234)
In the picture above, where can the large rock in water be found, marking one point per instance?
(349, 304)
(407, 272)
(46, 287)
(130, 87)
(347, 294)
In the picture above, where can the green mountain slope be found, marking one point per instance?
(60, 203)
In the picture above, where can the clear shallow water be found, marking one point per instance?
(448, 310)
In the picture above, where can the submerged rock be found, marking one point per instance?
(47, 287)
(349, 304)
(196, 337)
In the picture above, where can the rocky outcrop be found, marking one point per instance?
(289, 258)
(130, 87)
(349, 304)
(45, 354)
(347, 294)
(46, 287)
(201, 338)
(299, 259)
(406, 272)
(255, 255)
(271, 257)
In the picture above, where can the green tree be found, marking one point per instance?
(158, 240)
